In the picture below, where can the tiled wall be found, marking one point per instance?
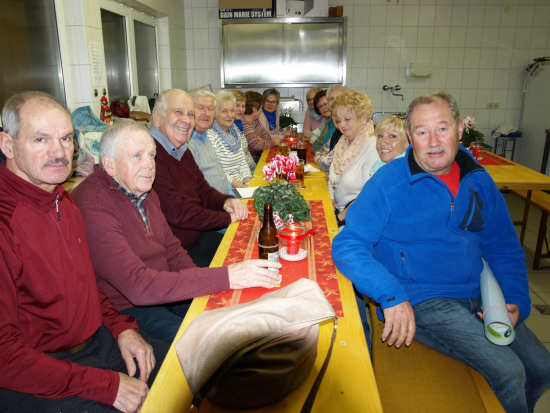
(478, 48)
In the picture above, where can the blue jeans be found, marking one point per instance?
(518, 373)
(160, 321)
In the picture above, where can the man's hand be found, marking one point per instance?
(513, 313)
(236, 207)
(253, 273)
(131, 394)
(399, 321)
(133, 346)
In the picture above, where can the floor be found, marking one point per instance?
(539, 281)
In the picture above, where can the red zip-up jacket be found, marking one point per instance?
(49, 299)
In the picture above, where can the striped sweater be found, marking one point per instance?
(234, 164)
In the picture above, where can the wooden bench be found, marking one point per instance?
(418, 379)
(542, 201)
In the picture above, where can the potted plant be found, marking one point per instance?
(470, 134)
(285, 119)
(288, 204)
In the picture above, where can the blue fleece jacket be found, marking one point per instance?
(408, 238)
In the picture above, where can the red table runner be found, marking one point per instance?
(318, 265)
(492, 159)
(273, 152)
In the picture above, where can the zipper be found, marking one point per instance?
(57, 207)
(405, 265)
(458, 233)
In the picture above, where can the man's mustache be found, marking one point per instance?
(436, 149)
(57, 160)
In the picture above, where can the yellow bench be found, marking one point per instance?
(542, 201)
(418, 379)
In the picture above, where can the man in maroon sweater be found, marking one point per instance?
(63, 346)
(138, 262)
(194, 210)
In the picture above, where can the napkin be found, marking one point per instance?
(309, 168)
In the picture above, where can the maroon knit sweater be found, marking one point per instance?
(189, 203)
(136, 267)
(49, 296)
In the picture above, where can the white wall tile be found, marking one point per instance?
(190, 59)
(456, 58)
(458, 36)
(376, 57)
(394, 16)
(472, 58)
(506, 37)
(470, 78)
(490, 37)
(360, 57)
(200, 38)
(443, 15)
(358, 78)
(468, 99)
(76, 42)
(393, 37)
(391, 77)
(80, 76)
(392, 57)
(408, 55)
(492, 16)
(409, 36)
(509, 16)
(424, 54)
(375, 78)
(496, 117)
(485, 79)
(74, 15)
(425, 37)
(213, 38)
(410, 15)
(377, 16)
(377, 36)
(440, 57)
(504, 58)
(502, 79)
(199, 3)
(212, 16)
(539, 37)
(214, 60)
(523, 37)
(500, 97)
(476, 15)
(526, 15)
(460, 16)
(514, 99)
(361, 15)
(426, 16)
(454, 79)
(438, 79)
(488, 58)
(442, 36)
(474, 36)
(542, 15)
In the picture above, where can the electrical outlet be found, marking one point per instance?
(492, 105)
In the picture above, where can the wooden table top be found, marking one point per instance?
(517, 176)
(348, 386)
(258, 172)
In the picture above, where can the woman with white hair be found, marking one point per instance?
(226, 140)
(269, 118)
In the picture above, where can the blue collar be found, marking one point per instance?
(166, 144)
(271, 118)
(201, 137)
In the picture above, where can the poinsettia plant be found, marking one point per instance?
(281, 194)
(470, 134)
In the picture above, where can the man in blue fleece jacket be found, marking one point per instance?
(414, 240)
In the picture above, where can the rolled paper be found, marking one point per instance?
(498, 326)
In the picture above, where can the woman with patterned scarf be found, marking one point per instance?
(355, 153)
(325, 130)
(226, 140)
(269, 118)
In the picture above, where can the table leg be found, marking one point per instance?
(525, 215)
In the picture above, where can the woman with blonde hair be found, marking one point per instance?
(355, 153)
(226, 140)
(313, 119)
(240, 108)
(391, 140)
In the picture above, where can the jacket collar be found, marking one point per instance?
(463, 158)
(26, 192)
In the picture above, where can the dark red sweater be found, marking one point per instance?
(135, 266)
(189, 203)
(49, 297)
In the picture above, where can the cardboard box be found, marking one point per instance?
(245, 4)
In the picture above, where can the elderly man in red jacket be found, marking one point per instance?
(63, 345)
(138, 261)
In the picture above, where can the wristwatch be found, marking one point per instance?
(340, 222)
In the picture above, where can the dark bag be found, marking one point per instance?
(120, 110)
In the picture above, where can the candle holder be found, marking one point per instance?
(292, 241)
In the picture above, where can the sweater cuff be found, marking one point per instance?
(106, 388)
(123, 322)
(219, 279)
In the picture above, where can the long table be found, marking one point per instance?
(511, 175)
(348, 386)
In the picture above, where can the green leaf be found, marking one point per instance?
(283, 215)
(278, 206)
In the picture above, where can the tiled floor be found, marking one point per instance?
(539, 281)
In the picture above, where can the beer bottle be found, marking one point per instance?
(268, 239)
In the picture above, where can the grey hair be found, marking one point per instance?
(109, 140)
(334, 88)
(11, 120)
(201, 92)
(272, 91)
(160, 103)
(428, 98)
(223, 96)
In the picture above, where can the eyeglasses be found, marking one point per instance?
(322, 105)
(271, 102)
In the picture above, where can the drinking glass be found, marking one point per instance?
(283, 149)
(302, 151)
(299, 171)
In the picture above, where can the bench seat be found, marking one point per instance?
(418, 379)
